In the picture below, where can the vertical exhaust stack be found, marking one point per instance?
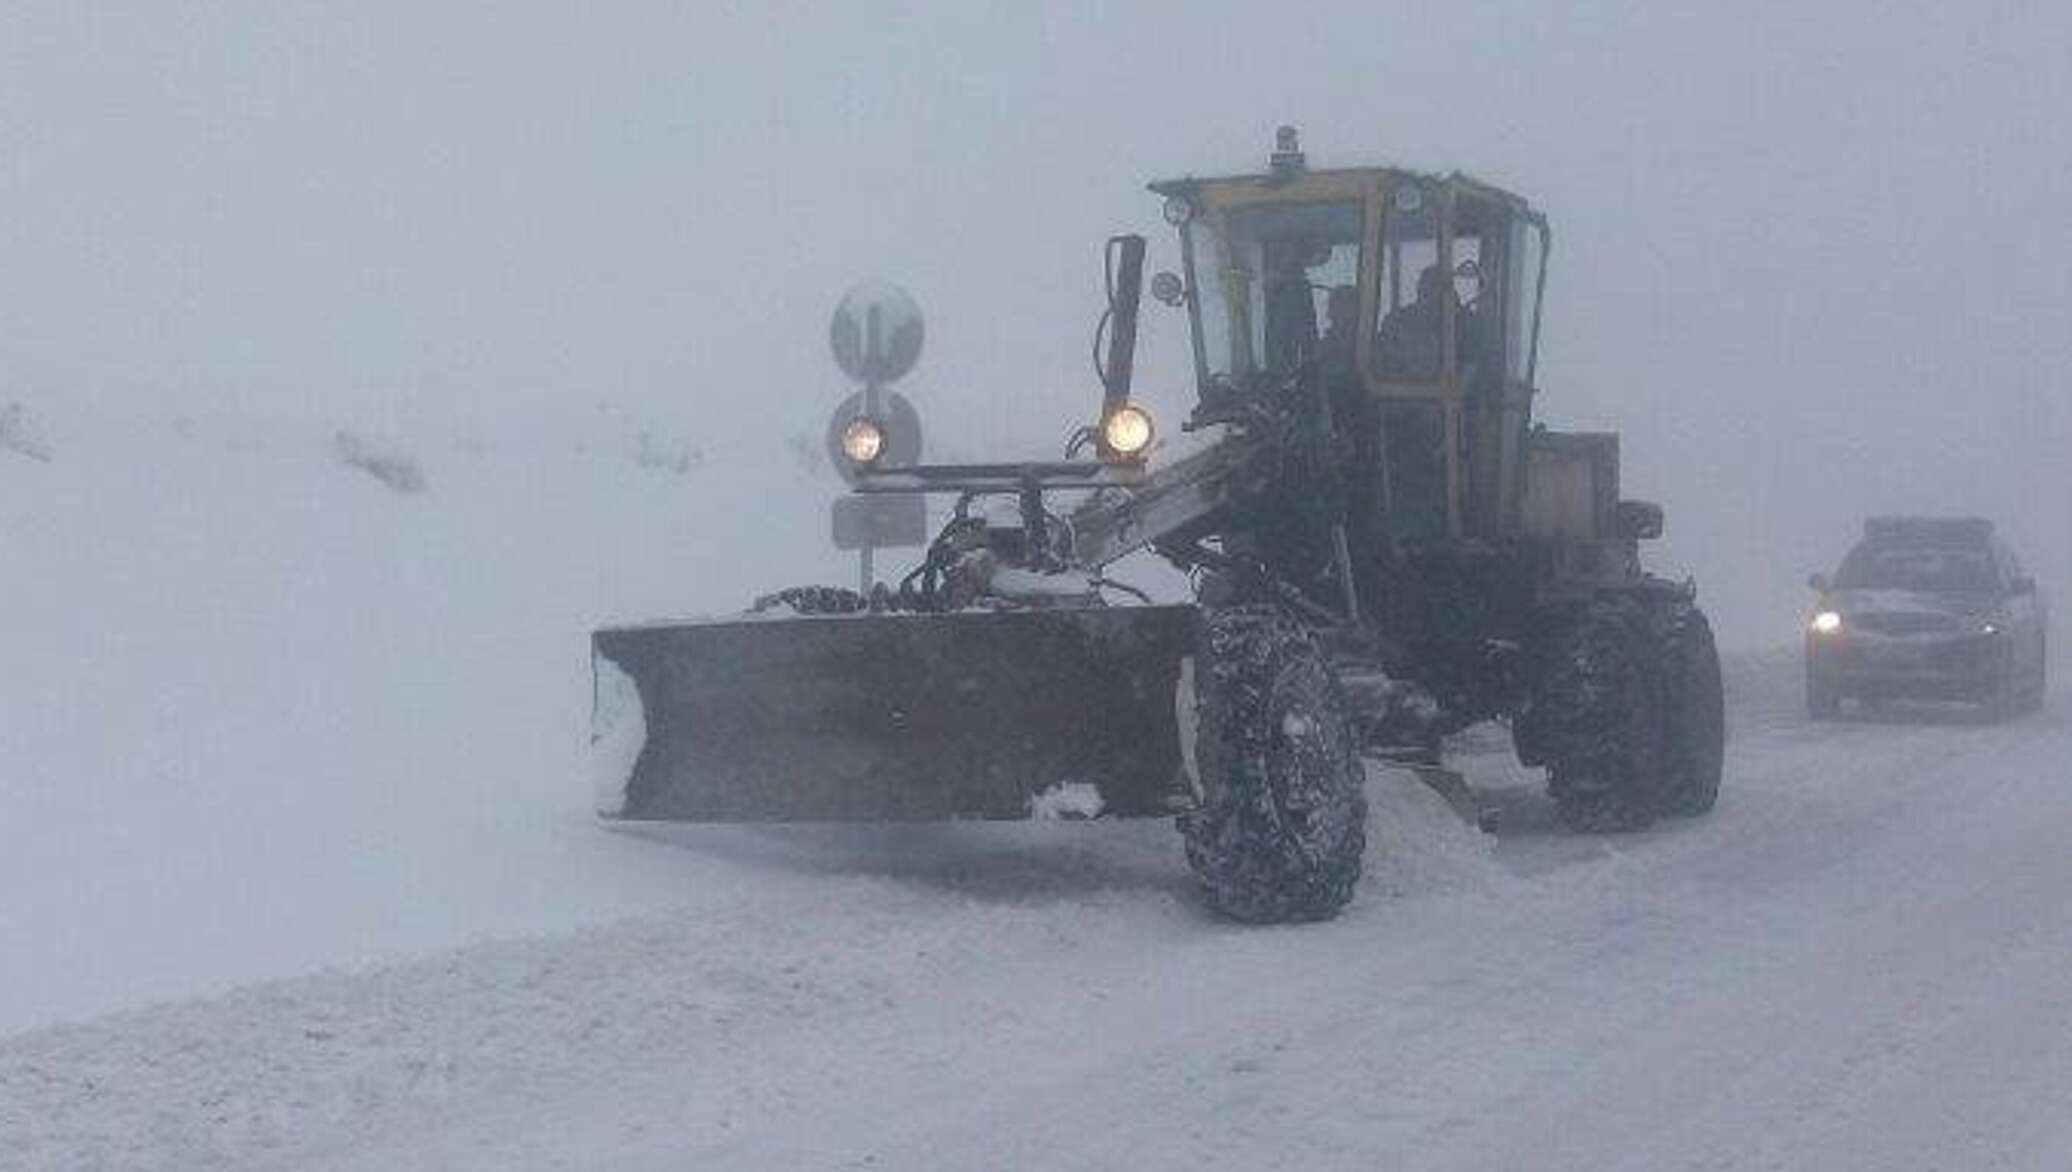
(1125, 266)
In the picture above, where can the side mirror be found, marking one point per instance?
(1167, 289)
(1819, 582)
(2022, 585)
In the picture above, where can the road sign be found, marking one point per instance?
(876, 333)
(901, 424)
(880, 521)
(876, 339)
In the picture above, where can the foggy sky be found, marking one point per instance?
(1811, 260)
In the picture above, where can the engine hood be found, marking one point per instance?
(1901, 612)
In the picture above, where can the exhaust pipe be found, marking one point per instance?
(1125, 291)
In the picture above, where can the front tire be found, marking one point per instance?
(1282, 821)
(1696, 734)
(1601, 708)
(1823, 696)
(2003, 698)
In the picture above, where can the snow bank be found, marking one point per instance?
(1857, 926)
(1066, 801)
(264, 714)
(618, 733)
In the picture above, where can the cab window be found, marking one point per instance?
(1266, 278)
(1478, 255)
(1521, 298)
(1406, 340)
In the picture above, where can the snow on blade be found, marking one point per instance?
(1187, 710)
(1036, 586)
(1067, 800)
(618, 732)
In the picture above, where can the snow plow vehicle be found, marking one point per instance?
(1383, 547)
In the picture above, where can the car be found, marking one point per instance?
(1927, 608)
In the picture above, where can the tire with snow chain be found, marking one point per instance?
(1694, 735)
(1282, 819)
(1600, 707)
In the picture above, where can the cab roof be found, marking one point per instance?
(1188, 185)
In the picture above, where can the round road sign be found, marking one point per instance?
(902, 426)
(876, 333)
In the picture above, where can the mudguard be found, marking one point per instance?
(893, 717)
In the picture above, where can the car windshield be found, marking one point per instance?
(1928, 571)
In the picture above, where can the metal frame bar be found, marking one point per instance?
(990, 479)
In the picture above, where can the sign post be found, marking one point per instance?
(878, 520)
(876, 338)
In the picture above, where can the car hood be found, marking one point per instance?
(1901, 612)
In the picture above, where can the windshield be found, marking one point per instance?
(1926, 571)
(1275, 285)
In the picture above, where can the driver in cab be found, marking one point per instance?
(1406, 347)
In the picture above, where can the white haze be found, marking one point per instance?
(1810, 260)
(300, 752)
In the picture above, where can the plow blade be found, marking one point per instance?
(892, 717)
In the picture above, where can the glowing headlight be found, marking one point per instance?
(1127, 432)
(863, 441)
(1827, 622)
(1989, 628)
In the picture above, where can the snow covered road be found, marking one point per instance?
(1864, 959)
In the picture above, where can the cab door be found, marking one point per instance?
(1497, 256)
(1408, 368)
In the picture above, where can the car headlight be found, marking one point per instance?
(1827, 622)
(1127, 431)
(863, 441)
(1989, 627)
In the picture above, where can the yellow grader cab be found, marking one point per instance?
(1385, 549)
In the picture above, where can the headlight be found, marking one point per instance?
(1989, 628)
(1127, 431)
(1827, 622)
(863, 441)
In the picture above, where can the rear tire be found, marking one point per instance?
(1601, 710)
(1282, 821)
(1696, 736)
